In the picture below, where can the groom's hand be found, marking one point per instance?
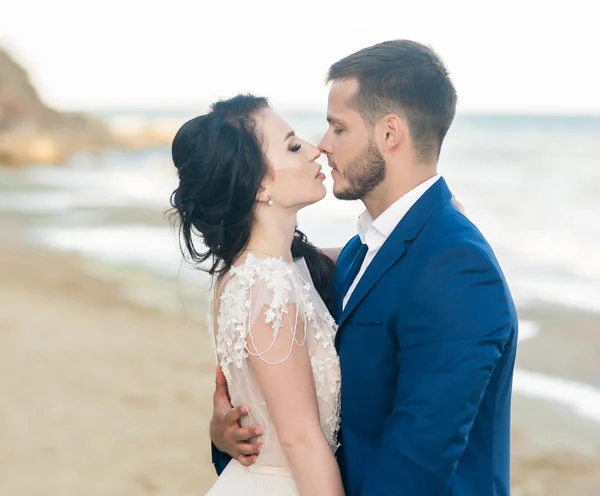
(225, 430)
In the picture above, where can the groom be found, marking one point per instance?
(427, 327)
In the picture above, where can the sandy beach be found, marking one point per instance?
(106, 369)
(102, 395)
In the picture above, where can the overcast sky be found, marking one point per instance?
(524, 56)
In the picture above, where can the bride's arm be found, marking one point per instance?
(288, 388)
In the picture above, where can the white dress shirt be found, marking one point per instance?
(374, 233)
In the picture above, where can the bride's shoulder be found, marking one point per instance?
(274, 273)
(262, 268)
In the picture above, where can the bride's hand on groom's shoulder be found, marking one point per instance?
(226, 433)
(458, 205)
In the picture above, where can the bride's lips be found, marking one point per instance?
(320, 174)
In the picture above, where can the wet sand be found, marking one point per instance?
(104, 392)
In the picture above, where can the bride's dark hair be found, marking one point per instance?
(221, 166)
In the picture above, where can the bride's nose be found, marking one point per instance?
(315, 153)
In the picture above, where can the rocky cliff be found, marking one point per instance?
(31, 132)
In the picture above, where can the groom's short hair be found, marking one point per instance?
(407, 78)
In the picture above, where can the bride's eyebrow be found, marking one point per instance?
(289, 135)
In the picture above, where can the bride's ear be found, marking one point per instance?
(262, 196)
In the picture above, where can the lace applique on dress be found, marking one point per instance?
(274, 290)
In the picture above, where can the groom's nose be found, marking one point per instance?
(325, 146)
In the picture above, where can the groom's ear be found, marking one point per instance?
(392, 132)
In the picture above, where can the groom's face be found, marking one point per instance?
(356, 163)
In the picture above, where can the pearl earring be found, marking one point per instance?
(270, 201)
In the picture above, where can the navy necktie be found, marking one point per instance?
(355, 267)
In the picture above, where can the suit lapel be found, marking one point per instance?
(392, 250)
(394, 247)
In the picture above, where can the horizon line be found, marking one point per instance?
(304, 110)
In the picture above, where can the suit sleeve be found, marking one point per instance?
(219, 459)
(457, 330)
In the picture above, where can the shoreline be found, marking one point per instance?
(94, 367)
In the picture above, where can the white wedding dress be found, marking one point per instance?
(246, 291)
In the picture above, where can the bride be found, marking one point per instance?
(243, 177)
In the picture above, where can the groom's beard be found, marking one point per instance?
(363, 174)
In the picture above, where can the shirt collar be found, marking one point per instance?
(374, 232)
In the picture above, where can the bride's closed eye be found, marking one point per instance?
(295, 148)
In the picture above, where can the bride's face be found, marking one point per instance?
(295, 178)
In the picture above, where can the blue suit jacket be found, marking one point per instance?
(427, 346)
